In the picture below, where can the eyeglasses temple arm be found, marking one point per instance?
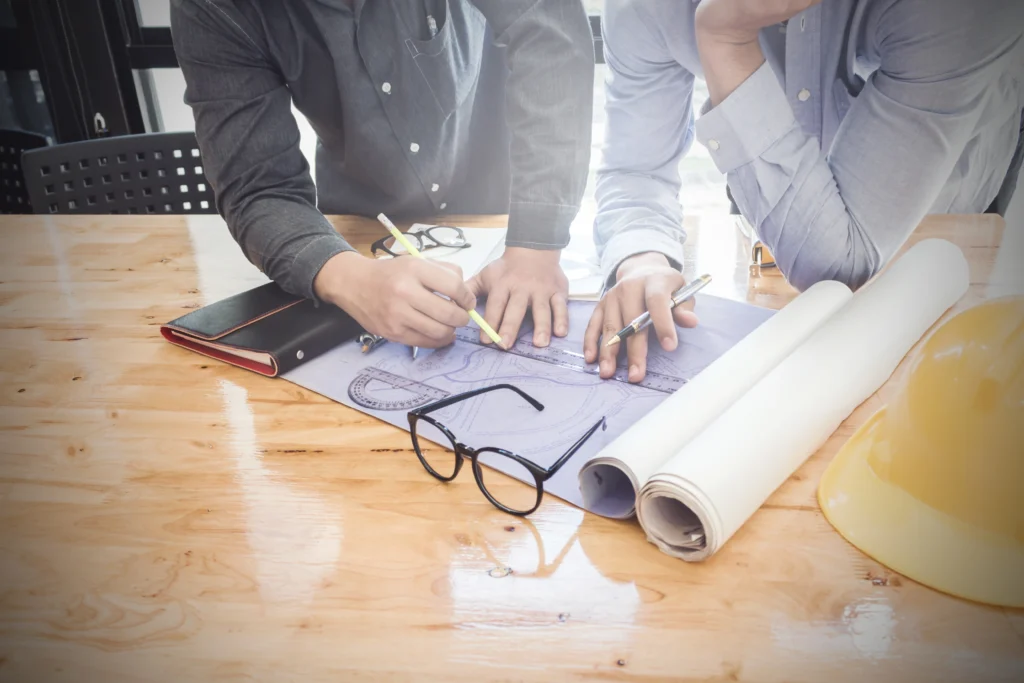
(550, 472)
(445, 402)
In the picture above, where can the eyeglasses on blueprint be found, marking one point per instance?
(443, 455)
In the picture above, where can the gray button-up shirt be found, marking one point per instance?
(420, 107)
(867, 115)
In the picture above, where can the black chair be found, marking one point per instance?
(159, 173)
(13, 194)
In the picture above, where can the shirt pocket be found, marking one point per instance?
(450, 62)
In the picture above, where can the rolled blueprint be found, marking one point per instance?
(610, 482)
(721, 476)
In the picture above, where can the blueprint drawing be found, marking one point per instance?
(387, 383)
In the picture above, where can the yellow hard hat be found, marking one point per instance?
(932, 486)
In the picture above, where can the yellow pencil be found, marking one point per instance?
(474, 316)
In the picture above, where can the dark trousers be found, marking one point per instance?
(1002, 200)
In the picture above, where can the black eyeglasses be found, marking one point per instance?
(442, 455)
(428, 238)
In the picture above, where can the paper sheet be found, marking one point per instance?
(726, 472)
(387, 383)
(488, 244)
(485, 245)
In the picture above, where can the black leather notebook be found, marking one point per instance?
(265, 330)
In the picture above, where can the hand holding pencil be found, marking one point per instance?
(398, 298)
(413, 251)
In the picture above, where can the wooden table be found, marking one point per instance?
(164, 517)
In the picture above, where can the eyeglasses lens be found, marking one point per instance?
(448, 236)
(435, 448)
(519, 496)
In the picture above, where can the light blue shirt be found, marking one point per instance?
(866, 116)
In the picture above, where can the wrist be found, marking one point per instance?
(334, 281)
(647, 259)
(552, 255)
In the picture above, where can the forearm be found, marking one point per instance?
(787, 191)
(269, 203)
(726, 64)
(289, 241)
(549, 103)
(250, 145)
(808, 227)
(727, 33)
(636, 214)
(649, 112)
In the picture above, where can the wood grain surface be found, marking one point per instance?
(164, 517)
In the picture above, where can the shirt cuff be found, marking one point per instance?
(748, 122)
(539, 226)
(311, 259)
(638, 240)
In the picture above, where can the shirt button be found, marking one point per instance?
(713, 145)
(443, 206)
(804, 95)
(386, 87)
(435, 187)
(414, 148)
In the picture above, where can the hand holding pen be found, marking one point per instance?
(643, 321)
(646, 294)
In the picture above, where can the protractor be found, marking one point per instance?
(378, 389)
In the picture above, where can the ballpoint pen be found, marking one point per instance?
(642, 322)
(413, 251)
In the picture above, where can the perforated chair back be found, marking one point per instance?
(13, 193)
(159, 173)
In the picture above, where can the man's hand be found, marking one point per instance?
(644, 282)
(396, 299)
(727, 33)
(520, 279)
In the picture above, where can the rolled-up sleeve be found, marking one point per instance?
(549, 109)
(250, 145)
(945, 76)
(648, 97)
(755, 117)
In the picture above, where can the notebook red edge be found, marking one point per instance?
(260, 368)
